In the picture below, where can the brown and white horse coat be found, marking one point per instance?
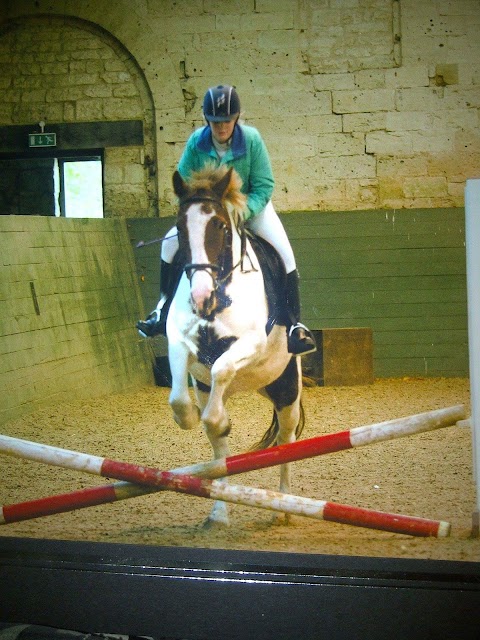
(218, 327)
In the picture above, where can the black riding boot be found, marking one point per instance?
(300, 339)
(156, 322)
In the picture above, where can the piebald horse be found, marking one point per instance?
(224, 326)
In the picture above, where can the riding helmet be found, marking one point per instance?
(221, 103)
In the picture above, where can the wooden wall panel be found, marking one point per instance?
(68, 307)
(402, 273)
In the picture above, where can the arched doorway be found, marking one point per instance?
(85, 87)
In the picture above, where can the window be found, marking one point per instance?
(78, 187)
(52, 183)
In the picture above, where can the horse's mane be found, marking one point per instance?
(207, 177)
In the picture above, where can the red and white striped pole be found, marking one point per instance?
(358, 436)
(249, 496)
(353, 438)
(71, 501)
(253, 460)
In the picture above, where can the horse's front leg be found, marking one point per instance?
(185, 413)
(240, 354)
(219, 441)
(214, 415)
(217, 433)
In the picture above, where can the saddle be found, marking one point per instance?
(275, 277)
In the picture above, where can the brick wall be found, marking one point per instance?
(68, 305)
(364, 104)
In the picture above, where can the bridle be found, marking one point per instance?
(214, 270)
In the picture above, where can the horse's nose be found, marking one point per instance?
(201, 292)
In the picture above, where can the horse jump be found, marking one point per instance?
(183, 480)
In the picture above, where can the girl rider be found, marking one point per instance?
(225, 141)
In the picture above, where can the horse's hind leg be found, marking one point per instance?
(288, 420)
(285, 393)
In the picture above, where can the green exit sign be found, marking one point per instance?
(42, 139)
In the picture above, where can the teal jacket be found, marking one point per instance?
(247, 154)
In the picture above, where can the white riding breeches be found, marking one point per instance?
(169, 245)
(265, 224)
(268, 226)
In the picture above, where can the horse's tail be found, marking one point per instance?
(270, 435)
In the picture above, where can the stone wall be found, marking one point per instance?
(364, 104)
(68, 305)
(60, 70)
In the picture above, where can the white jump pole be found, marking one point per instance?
(472, 243)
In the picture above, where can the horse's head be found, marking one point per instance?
(205, 231)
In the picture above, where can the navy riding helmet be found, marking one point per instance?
(221, 103)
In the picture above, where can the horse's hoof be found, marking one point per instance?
(215, 524)
(281, 519)
(186, 426)
(190, 422)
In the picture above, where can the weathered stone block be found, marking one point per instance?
(304, 147)
(370, 79)
(430, 99)
(134, 174)
(396, 167)
(358, 166)
(89, 110)
(364, 192)
(114, 174)
(341, 144)
(433, 142)
(363, 121)
(425, 187)
(265, 21)
(334, 82)
(407, 76)
(125, 108)
(407, 121)
(389, 189)
(363, 101)
(391, 143)
(311, 125)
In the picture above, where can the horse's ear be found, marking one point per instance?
(222, 185)
(179, 185)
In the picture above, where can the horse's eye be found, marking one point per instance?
(219, 224)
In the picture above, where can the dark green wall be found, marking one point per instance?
(402, 273)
